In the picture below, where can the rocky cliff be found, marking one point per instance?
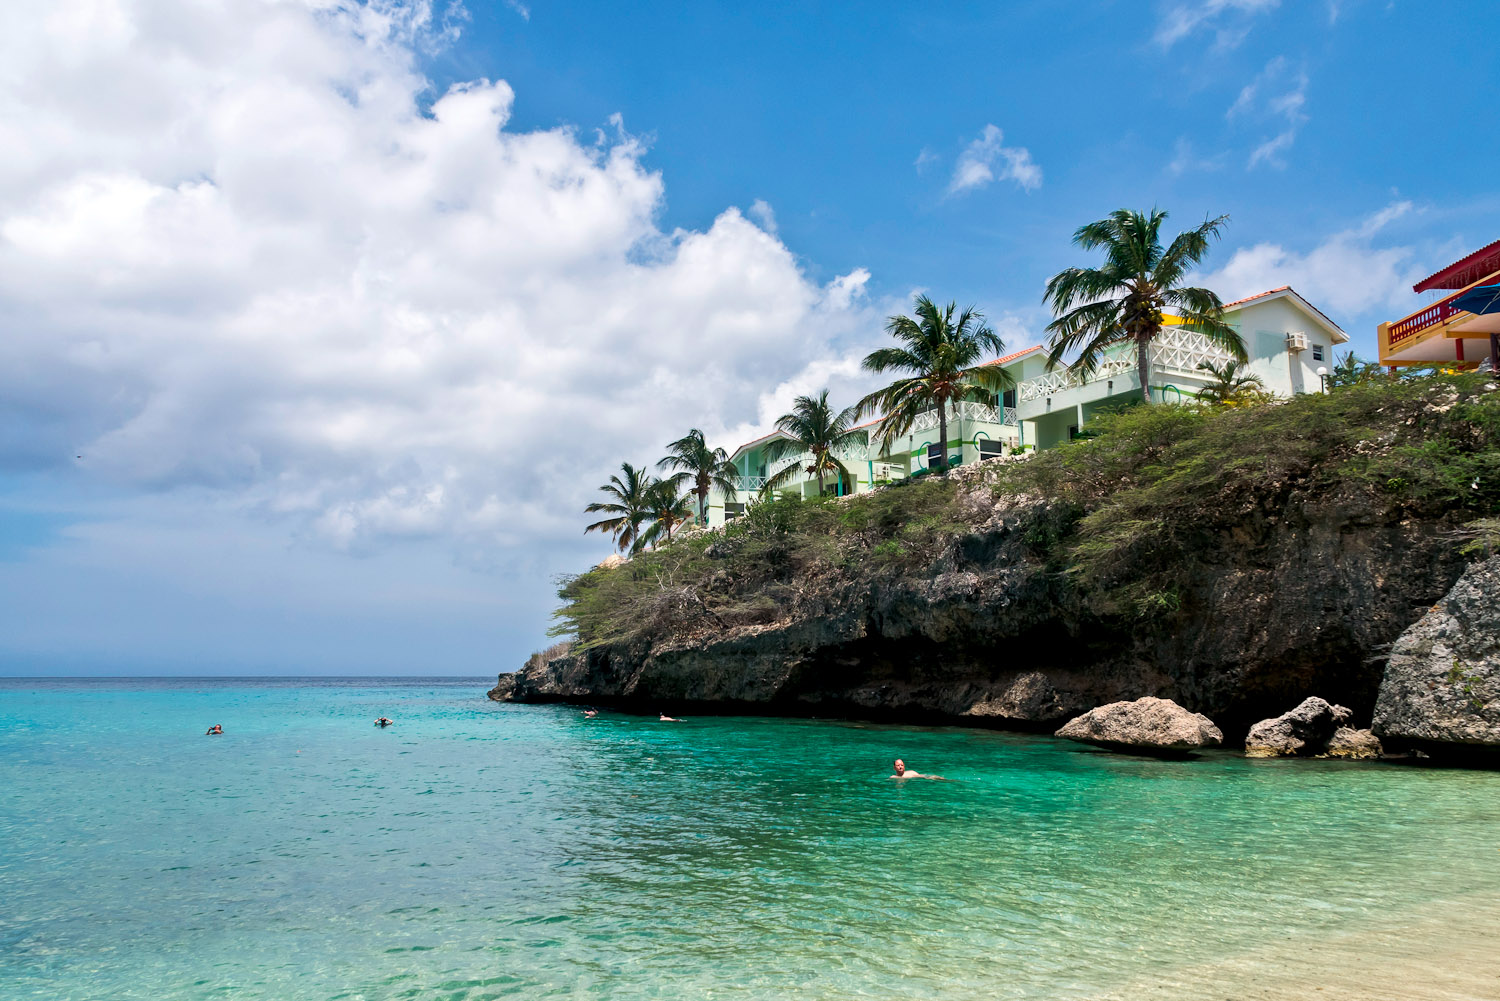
(1234, 561)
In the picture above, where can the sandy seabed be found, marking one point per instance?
(1447, 952)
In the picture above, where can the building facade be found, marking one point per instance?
(1289, 341)
(1440, 333)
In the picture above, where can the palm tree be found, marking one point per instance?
(813, 427)
(629, 507)
(942, 353)
(1122, 302)
(665, 509)
(700, 466)
(1230, 383)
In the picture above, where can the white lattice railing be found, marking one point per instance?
(967, 410)
(1174, 352)
(1181, 352)
(749, 483)
(1055, 382)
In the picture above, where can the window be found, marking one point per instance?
(989, 448)
(1317, 352)
(733, 511)
(1008, 399)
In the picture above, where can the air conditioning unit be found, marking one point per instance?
(1296, 341)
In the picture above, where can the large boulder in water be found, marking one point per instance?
(1442, 682)
(1149, 724)
(1351, 743)
(1304, 730)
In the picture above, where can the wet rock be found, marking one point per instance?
(1350, 743)
(1148, 724)
(1304, 730)
(1442, 681)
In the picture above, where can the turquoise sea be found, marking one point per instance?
(477, 850)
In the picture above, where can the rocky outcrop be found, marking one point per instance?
(1353, 744)
(989, 635)
(1021, 594)
(1441, 689)
(1304, 730)
(1031, 700)
(1148, 724)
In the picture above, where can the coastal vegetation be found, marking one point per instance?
(1124, 301)
(1116, 521)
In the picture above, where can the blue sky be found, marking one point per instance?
(324, 319)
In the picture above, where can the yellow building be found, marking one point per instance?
(1440, 332)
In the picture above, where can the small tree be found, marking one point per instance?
(1231, 384)
(944, 355)
(813, 427)
(700, 467)
(1351, 371)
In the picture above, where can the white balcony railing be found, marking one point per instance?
(749, 484)
(1175, 352)
(968, 411)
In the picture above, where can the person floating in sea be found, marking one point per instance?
(217, 730)
(902, 772)
(383, 722)
(590, 713)
(669, 719)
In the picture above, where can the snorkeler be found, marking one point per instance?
(382, 722)
(669, 719)
(590, 713)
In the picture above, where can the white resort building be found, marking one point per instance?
(1290, 343)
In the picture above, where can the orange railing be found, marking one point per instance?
(1439, 312)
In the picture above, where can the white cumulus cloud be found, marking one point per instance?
(245, 248)
(988, 159)
(1346, 273)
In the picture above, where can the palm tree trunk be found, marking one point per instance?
(702, 507)
(943, 436)
(1143, 364)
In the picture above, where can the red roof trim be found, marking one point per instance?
(1454, 275)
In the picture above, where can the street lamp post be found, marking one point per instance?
(1323, 376)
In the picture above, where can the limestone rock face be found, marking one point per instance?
(1148, 724)
(1442, 682)
(1304, 730)
(1031, 698)
(1350, 743)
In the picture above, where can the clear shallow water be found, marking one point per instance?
(477, 850)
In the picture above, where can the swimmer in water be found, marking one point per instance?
(669, 719)
(217, 730)
(382, 722)
(590, 713)
(902, 772)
